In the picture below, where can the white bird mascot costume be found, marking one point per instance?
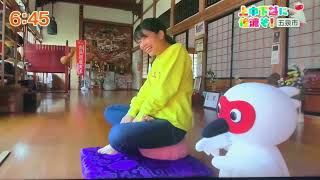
(298, 13)
(253, 119)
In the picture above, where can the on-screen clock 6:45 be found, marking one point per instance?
(36, 18)
(24, 15)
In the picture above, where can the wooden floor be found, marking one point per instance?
(46, 144)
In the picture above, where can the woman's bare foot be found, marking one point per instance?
(107, 150)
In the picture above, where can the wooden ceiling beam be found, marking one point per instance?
(128, 5)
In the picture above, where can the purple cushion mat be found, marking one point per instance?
(95, 165)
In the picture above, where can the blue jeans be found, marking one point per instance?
(128, 137)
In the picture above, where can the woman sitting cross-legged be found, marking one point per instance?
(160, 114)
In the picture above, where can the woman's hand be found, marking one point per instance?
(145, 118)
(126, 119)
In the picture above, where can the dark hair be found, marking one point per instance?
(154, 25)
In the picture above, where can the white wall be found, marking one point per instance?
(148, 14)
(146, 4)
(162, 6)
(67, 18)
(107, 14)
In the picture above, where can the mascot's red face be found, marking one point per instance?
(239, 115)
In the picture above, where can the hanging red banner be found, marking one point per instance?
(81, 56)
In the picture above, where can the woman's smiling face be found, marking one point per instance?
(150, 42)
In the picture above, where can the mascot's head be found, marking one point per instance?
(256, 113)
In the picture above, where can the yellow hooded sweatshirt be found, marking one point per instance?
(166, 94)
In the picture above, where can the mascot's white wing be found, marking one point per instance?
(213, 144)
(292, 91)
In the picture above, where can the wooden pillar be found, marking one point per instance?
(281, 67)
(66, 71)
(3, 44)
(202, 5)
(81, 34)
(132, 19)
(81, 21)
(90, 72)
(25, 42)
(172, 13)
(15, 57)
(43, 79)
(35, 78)
(141, 54)
(154, 8)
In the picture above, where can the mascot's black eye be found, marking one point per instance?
(235, 115)
(218, 108)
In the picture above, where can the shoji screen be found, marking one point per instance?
(193, 55)
(219, 46)
(251, 49)
(304, 42)
(182, 38)
(191, 37)
(145, 64)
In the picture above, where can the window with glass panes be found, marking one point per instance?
(145, 64)
(219, 46)
(182, 38)
(251, 49)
